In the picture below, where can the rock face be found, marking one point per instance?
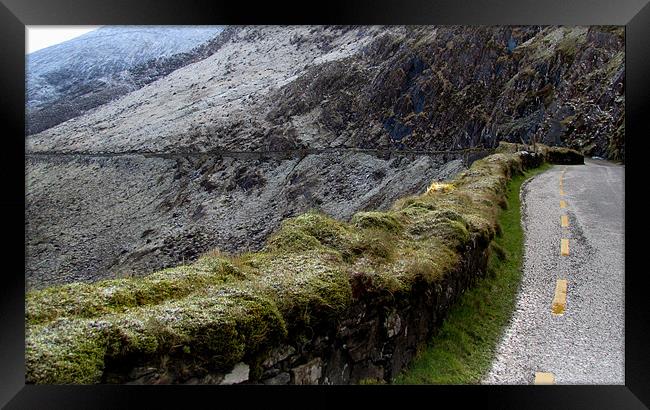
(162, 174)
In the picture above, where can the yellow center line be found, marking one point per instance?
(544, 378)
(564, 248)
(559, 300)
(565, 221)
(562, 204)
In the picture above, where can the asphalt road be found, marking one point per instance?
(584, 344)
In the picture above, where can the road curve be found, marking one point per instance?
(584, 343)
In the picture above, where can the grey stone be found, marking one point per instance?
(337, 369)
(282, 378)
(393, 324)
(272, 372)
(239, 373)
(308, 373)
(212, 379)
(366, 371)
(139, 372)
(277, 355)
(361, 341)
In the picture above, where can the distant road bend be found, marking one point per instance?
(568, 325)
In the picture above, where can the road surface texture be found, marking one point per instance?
(568, 324)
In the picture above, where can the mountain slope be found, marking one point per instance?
(120, 203)
(67, 79)
(397, 87)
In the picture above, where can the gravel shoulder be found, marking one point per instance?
(585, 345)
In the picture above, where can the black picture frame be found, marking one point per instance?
(16, 14)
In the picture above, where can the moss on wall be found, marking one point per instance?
(223, 309)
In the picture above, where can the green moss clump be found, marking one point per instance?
(226, 268)
(415, 205)
(88, 300)
(449, 214)
(373, 243)
(306, 286)
(453, 233)
(300, 230)
(220, 326)
(377, 220)
(427, 261)
(67, 351)
(292, 240)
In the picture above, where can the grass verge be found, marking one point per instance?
(463, 349)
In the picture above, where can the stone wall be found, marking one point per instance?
(326, 302)
(374, 339)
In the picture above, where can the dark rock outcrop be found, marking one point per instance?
(456, 87)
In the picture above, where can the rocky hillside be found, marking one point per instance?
(165, 172)
(65, 80)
